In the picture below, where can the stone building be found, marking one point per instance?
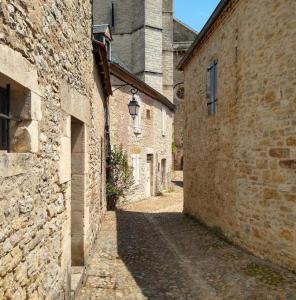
(149, 42)
(148, 138)
(184, 36)
(240, 138)
(54, 89)
(143, 38)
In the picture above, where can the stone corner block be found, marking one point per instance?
(26, 138)
(64, 170)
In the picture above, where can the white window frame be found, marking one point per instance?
(163, 121)
(136, 168)
(137, 123)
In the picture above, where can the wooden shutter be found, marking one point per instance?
(213, 77)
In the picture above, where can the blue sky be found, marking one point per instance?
(194, 13)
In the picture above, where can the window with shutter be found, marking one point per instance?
(213, 77)
(163, 121)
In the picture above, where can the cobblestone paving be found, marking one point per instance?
(149, 250)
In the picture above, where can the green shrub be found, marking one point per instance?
(120, 177)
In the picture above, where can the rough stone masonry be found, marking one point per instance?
(240, 162)
(46, 55)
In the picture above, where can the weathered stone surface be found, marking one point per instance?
(288, 164)
(143, 41)
(240, 163)
(47, 58)
(143, 249)
(64, 162)
(279, 153)
(142, 139)
(26, 138)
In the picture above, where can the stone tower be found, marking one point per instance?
(183, 39)
(143, 38)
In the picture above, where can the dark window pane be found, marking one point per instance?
(4, 123)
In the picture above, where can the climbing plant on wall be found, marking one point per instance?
(120, 177)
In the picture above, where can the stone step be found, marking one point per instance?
(77, 280)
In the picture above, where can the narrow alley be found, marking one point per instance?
(150, 250)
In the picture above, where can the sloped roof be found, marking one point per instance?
(182, 32)
(101, 59)
(104, 29)
(131, 79)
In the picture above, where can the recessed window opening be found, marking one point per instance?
(148, 114)
(113, 14)
(5, 117)
(15, 116)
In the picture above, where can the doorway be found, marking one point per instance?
(77, 191)
(149, 176)
(163, 174)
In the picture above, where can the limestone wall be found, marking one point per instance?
(143, 38)
(46, 55)
(240, 163)
(183, 38)
(148, 140)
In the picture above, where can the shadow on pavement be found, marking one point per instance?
(170, 256)
(150, 261)
(178, 183)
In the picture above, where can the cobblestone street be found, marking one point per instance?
(149, 250)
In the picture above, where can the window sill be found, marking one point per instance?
(137, 130)
(12, 164)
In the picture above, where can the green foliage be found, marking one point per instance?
(264, 274)
(170, 190)
(120, 177)
(174, 147)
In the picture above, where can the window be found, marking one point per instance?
(163, 121)
(137, 121)
(181, 93)
(148, 114)
(113, 14)
(4, 117)
(213, 78)
(136, 168)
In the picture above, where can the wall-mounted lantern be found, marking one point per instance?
(134, 106)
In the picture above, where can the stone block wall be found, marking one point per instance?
(143, 38)
(46, 53)
(183, 39)
(240, 163)
(148, 141)
(167, 48)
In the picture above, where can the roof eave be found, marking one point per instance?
(134, 81)
(100, 48)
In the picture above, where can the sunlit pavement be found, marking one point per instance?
(149, 250)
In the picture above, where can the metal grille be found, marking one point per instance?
(4, 117)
